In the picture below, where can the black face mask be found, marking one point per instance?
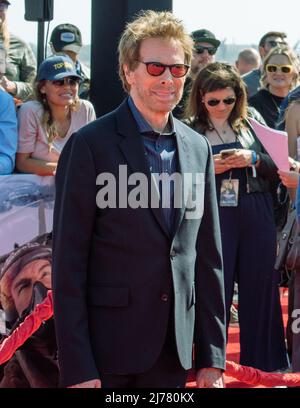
(44, 338)
(39, 293)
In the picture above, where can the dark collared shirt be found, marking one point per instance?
(161, 153)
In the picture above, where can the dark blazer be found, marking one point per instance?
(118, 275)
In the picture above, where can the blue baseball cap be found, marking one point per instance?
(56, 67)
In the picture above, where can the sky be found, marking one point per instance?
(226, 19)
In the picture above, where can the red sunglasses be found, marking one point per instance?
(157, 69)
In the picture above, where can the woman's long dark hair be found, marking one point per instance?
(213, 77)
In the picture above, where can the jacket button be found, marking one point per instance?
(164, 297)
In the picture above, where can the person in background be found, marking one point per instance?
(20, 60)
(294, 95)
(247, 61)
(268, 41)
(66, 39)
(292, 127)
(280, 74)
(290, 179)
(8, 133)
(45, 124)
(205, 47)
(217, 108)
(125, 317)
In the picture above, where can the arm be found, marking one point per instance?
(292, 127)
(210, 328)
(30, 129)
(25, 164)
(24, 86)
(73, 224)
(8, 134)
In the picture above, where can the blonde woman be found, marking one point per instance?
(280, 75)
(46, 124)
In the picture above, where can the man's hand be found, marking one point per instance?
(8, 86)
(210, 378)
(88, 384)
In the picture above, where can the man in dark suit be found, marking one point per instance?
(137, 279)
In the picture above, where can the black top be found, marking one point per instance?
(268, 105)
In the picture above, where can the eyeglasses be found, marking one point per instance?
(200, 50)
(3, 6)
(274, 43)
(228, 101)
(157, 69)
(285, 69)
(65, 81)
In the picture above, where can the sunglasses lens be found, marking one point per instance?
(213, 102)
(271, 68)
(179, 70)
(272, 43)
(199, 50)
(155, 69)
(210, 50)
(58, 82)
(229, 101)
(286, 69)
(73, 81)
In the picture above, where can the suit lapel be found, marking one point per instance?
(132, 147)
(184, 168)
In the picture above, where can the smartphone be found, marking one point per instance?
(227, 152)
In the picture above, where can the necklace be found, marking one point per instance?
(219, 135)
(213, 128)
(275, 104)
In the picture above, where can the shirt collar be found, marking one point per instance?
(144, 126)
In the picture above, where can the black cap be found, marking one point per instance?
(66, 37)
(5, 1)
(204, 35)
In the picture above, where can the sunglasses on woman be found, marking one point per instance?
(228, 101)
(65, 81)
(157, 69)
(200, 50)
(285, 69)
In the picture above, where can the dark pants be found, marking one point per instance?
(167, 372)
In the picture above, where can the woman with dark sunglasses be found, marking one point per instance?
(280, 74)
(217, 108)
(46, 123)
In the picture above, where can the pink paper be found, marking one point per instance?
(275, 142)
